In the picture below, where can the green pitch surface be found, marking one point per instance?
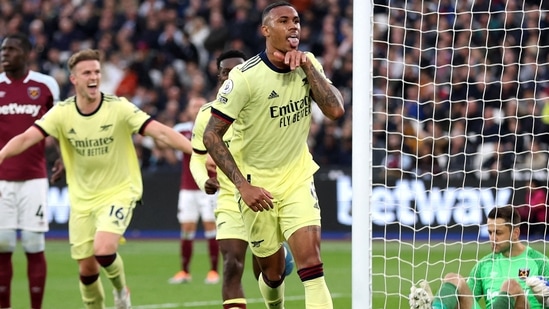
(396, 266)
(149, 265)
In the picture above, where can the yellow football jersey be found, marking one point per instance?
(97, 149)
(270, 110)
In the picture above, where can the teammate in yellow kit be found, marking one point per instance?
(95, 135)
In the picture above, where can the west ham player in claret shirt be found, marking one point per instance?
(25, 96)
(194, 205)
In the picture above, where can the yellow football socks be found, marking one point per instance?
(274, 298)
(317, 295)
(93, 295)
(115, 273)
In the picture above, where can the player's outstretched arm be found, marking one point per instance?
(169, 136)
(21, 142)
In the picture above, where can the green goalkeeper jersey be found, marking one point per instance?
(492, 270)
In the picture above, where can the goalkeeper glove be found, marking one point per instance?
(540, 287)
(420, 297)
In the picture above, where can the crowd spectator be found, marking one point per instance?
(534, 209)
(154, 50)
(468, 76)
(431, 55)
(535, 158)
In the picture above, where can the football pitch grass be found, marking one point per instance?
(150, 263)
(396, 266)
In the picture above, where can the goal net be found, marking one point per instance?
(460, 124)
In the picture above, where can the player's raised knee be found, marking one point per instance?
(453, 278)
(512, 287)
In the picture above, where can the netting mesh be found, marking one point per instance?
(460, 113)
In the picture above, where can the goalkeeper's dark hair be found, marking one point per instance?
(233, 53)
(507, 213)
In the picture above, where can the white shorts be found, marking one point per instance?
(195, 204)
(23, 205)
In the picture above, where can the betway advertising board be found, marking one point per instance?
(398, 207)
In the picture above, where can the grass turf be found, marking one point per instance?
(397, 265)
(149, 264)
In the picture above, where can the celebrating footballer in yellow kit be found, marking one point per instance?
(231, 234)
(268, 102)
(103, 175)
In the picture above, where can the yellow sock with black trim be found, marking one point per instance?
(93, 295)
(115, 273)
(274, 297)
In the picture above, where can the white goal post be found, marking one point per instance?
(361, 182)
(456, 109)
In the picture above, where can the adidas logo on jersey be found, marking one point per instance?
(71, 131)
(273, 95)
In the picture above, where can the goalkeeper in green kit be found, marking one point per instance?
(514, 275)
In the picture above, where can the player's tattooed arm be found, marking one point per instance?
(213, 140)
(328, 97)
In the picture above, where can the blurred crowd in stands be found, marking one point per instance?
(160, 53)
(461, 86)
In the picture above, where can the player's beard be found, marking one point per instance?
(503, 248)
